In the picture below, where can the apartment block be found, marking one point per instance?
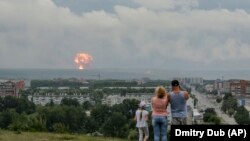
(11, 88)
(239, 87)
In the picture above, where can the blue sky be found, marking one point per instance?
(158, 34)
(80, 6)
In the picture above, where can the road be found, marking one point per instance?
(204, 102)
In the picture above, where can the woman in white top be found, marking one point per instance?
(141, 117)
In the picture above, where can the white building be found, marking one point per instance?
(209, 87)
(44, 99)
(117, 99)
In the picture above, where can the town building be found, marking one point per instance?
(209, 88)
(191, 80)
(234, 86)
(240, 87)
(117, 99)
(11, 88)
(218, 84)
(40, 99)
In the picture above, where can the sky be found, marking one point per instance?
(126, 34)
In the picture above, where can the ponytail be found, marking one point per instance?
(141, 114)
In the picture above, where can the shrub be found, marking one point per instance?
(133, 134)
(60, 128)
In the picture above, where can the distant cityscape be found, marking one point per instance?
(211, 89)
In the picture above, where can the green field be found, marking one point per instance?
(39, 136)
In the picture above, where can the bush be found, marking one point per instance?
(218, 99)
(133, 134)
(242, 116)
(116, 126)
(210, 116)
(230, 112)
(37, 124)
(20, 123)
(6, 118)
(60, 128)
(214, 119)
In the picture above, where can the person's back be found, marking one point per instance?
(159, 115)
(159, 106)
(177, 99)
(178, 104)
(141, 118)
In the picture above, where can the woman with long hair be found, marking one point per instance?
(159, 115)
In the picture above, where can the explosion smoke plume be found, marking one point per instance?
(82, 60)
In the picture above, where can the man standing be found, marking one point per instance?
(177, 99)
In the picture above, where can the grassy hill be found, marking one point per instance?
(39, 136)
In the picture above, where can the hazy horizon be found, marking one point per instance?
(126, 74)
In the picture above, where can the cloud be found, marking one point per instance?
(168, 4)
(40, 34)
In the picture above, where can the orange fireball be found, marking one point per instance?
(83, 60)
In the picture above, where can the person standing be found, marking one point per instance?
(159, 115)
(141, 117)
(177, 100)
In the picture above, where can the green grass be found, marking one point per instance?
(40, 136)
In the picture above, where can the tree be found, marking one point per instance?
(123, 92)
(229, 102)
(195, 101)
(214, 119)
(1, 104)
(51, 103)
(227, 95)
(100, 114)
(214, 92)
(218, 99)
(10, 102)
(74, 118)
(230, 112)
(130, 106)
(37, 123)
(211, 116)
(70, 102)
(24, 105)
(6, 118)
(20, 123)
(116, 126)
(51, 115)
(242, 116)
(91, 125)
(97, 96)
(87, 105)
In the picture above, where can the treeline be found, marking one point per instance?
(56, 83)
(111, 83)
(109, 91)
(125, 83)
(19, 114)
(97, 83)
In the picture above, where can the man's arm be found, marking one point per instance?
(186, 95)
